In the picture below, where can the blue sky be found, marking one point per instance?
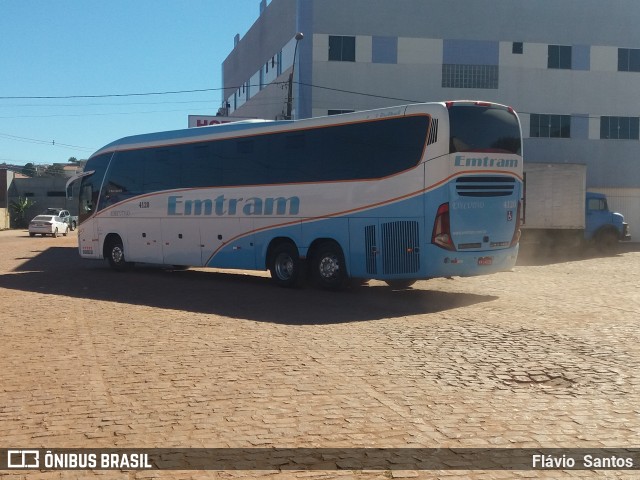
(90, 47)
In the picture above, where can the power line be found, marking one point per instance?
(200, 90)
(135, 94)
(44, 142)
(358, 93)
(109, 95)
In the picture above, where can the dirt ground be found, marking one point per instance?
(544, 356)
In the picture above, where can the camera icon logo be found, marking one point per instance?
(23, 459)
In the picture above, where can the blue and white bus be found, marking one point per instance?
(396, 194)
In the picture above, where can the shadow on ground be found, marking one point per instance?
(60, 271)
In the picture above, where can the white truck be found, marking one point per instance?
(558, 210)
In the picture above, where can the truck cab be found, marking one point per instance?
(603, 227)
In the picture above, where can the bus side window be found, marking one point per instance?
(203, 170)
(162, 170)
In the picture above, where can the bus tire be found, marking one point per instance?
(114, 251)
(285, 265)
(328, 267)
(400, 284)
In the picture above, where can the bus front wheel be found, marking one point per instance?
(285, 265)
(328, 266)
(114, 251)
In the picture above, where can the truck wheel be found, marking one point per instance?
(606, 241)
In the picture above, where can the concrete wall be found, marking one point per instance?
(45, 192)
(6, 177)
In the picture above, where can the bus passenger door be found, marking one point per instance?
(144, 240)
(181, 244)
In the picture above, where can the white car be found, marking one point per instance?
(48, 225)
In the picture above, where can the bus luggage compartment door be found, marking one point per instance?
(144, 241)
(181, 243)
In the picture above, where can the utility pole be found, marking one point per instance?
(299, 36)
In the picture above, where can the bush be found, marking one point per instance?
(18, 209)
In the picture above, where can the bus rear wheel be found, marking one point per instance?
(328, 268)
(114, 251)
(285, 265)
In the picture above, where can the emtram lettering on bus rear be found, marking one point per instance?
(463, 161)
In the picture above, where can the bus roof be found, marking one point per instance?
(187, 134)
(192, 135)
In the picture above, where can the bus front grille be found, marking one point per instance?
(485, 186)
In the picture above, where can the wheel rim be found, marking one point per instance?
(329, 267)
(117, 254)
(284, 266)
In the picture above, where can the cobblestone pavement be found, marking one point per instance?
(545, 356)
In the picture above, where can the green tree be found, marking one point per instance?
(29, 170)
(19, 209)
(55, 170)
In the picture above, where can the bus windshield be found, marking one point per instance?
(475, 128)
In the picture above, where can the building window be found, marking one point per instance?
(517, 48)
(550, 126)
(628, 60)
(384, 50)
(469, 76)
(56, 194)
(559, 57)
(619, 128)
(342, 49)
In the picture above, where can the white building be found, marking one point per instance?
(571, 69)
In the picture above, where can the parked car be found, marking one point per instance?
(48, 225)
(64, 215)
